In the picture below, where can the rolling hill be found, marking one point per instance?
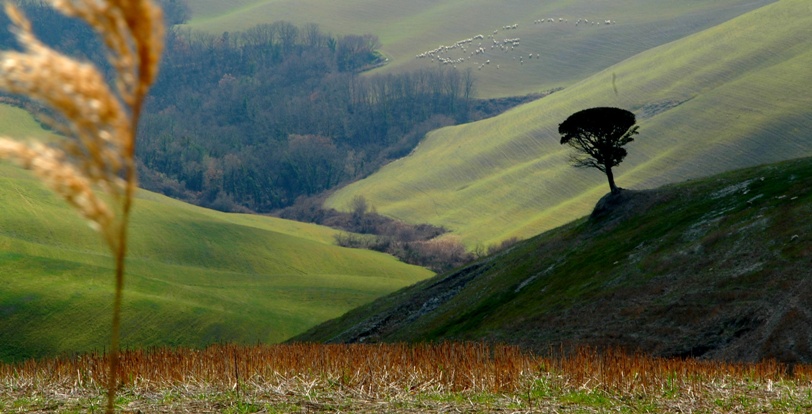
(567, 52)
(194, 276)
(735, 95)
(714, 268)
(719, 96)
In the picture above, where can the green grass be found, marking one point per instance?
(16, 122)
(194, 276)
(677, 268)
(569, 53)
(732, 96)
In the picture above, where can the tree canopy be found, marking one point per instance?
(598, 136)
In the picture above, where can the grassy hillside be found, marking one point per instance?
(568, 52)
(736, 95)
(17, 122)
(195, 276)
(714, 268)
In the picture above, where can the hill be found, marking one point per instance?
(567, 52)
(732, 96)
(194, 276)
(713, 268)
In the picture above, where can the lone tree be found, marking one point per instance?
(598, 136)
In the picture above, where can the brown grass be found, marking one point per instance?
(465, 377)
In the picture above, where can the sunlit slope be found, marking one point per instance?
(568, 52)
(194, 276)
(736, 95)
(17, 122)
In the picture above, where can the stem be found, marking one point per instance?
(112, 377)
(120, 256)
(120, 253)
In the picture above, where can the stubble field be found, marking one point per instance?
(446, 377)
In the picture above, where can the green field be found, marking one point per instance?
(16, 122)
(735, 95)
(195, 276)
(568, 52)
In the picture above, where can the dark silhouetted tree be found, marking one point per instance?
(598, 136)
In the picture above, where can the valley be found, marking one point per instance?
(430, 128)
(715, 86)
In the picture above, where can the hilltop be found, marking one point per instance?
(732, 96)
(714, 268)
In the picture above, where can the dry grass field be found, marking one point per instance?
(444, 377)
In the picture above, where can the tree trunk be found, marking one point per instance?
(611, 178)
